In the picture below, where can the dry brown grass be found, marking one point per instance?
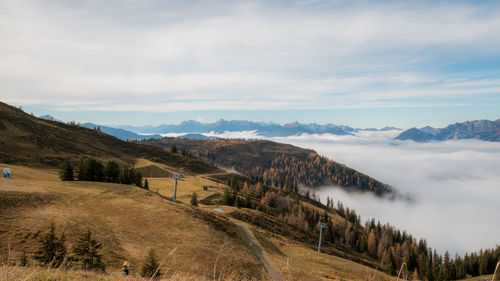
(185, 188)
(127, 220)
(298, 262)
(15, 273)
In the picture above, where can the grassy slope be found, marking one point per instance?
(127, 220)
(302, 263)
(27, 140)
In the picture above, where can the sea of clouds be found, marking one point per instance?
(454, 185)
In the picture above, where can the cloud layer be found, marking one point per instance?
(455, 185)
(168, 56)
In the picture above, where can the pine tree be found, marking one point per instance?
(248, 201)
(52, 251)
(173, 148)
(151, 268)
(112, 171)
(446, 266)
(86, 251)
(124, 177)
(66, 172)
(388, 261)
(90, 170)
(194, 199)
(237, 202)
(328, 232)
(136, 176)
(227, 199)
(146, 184)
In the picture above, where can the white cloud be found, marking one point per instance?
(152, 54)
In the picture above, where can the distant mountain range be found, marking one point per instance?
(480, 129)
(120, 133)
(49, 117)
(261, 128)
(194, 129)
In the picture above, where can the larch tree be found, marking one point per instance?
(372, 244)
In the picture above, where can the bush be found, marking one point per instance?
(151, 269)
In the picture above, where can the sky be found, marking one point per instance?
(359, 63)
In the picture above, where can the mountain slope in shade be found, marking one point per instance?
(31, 141)
(480, 129)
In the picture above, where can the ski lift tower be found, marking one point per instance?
(322, 226)
(176, 177)
(405, 274)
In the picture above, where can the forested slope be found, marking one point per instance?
(281, 165)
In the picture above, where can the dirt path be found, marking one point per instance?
(273, 273)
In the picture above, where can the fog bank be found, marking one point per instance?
(455, 184)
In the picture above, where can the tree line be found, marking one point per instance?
(91, 169)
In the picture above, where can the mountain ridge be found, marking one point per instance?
(485, 130)
(266, 129)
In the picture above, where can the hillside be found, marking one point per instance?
(274, 163)
(127, 220)
(480, 129)
(27, 140)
